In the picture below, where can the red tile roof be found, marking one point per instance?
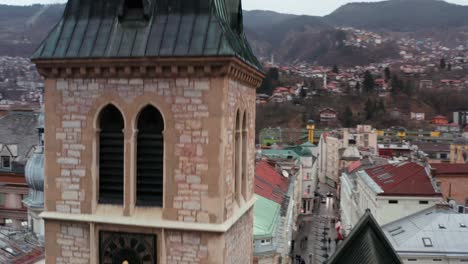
(403, 179)
(354, 165)
(444, 169)
(269, 183)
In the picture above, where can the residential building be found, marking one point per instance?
(390, 191)
(363, 137)
(459, 151)
(397, 150)
(439, 120)
(271, 189)
(17, 142)
(435, 235)
(452, 180)
(149, 133)
(308, 167)
(348, 191)
(418, 116)
(460, 118)
(436, 152)
(367, 243)
(333, 145)
(328, 116)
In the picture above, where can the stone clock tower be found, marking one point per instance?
(149, 142)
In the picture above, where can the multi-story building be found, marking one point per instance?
(452, 179)
(17, 143)
(390, 191)
(435, 235)
(149, 133)
(275, 212)
(459, 150)
(333, 145)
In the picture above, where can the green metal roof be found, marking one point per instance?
(266, 217)
(283, 153)
(157, 28)
(308, 145)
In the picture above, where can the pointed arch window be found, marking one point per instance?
(244, 157)
(150, 158)
(111, 156)
(237, 157)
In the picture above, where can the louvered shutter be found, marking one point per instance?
(111, 157)
(150, 158)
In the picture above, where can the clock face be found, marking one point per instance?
(127, 248)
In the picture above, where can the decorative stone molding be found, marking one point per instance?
(152, 68)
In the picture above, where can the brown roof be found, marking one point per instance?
(404, 179)
(433, 147)
(447, 170)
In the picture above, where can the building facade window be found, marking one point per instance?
(2, 200)
(393, 201)
(6, 162)
(111, 156)
(150, 158)
(244, 157)
(423, 202)
(236, 158)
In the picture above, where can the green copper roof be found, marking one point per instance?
(148, 28)
(308, 145)
(266, 217)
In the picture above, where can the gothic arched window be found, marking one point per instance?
(244, 156)
(150, 158)
(111, 156)
(237, 158)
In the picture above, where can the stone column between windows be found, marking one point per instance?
(128, 170)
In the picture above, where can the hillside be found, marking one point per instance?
(400, 15)
(23, 28)
(290, 38)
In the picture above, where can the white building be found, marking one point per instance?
(435, 235)
(390, 191)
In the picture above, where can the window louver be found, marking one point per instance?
(111, 156)
(150, 158)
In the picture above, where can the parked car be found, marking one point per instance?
(323, 200)
(329, 194)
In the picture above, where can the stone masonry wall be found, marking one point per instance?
(239, 241)
(185, 247)
(242, 98)
(187, 106)
(73, 244)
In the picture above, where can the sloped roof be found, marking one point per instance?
(433, 147)
(19, 128)
(406, 234)
(366, 244)
(266, 215)
(402, 179)
(269, 183)
(163, 28)
(445, 169)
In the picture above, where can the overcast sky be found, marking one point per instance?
(308, 7)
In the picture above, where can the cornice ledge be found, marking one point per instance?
(154, 223)
(151, 68)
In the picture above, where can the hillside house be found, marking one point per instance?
(328, 115)
(439, 120)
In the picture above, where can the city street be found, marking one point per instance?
(311, 242)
